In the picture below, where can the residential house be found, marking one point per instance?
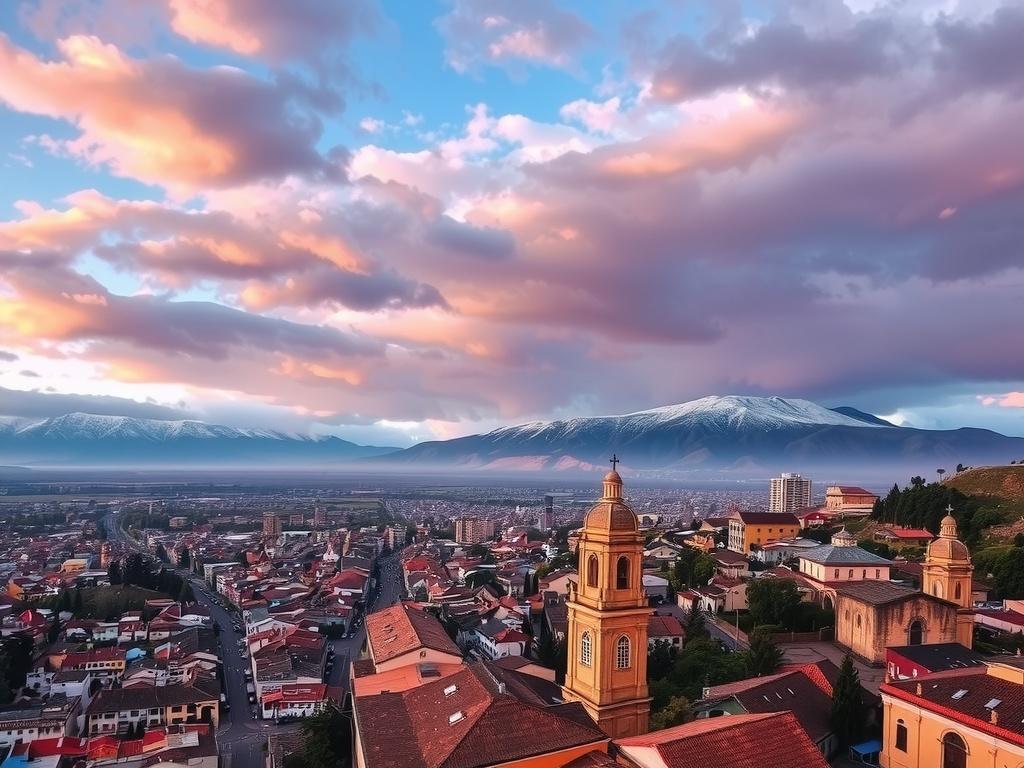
(665, 628)
(749, 531)
(114, 710)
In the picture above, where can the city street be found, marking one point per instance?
(241, 735)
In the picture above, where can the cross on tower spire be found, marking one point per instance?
(949, 509)
(614, 460)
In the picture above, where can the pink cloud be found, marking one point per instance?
(161, 121)
(1007, 400)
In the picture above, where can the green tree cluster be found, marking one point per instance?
(923, 505)
(693, 567)
(847, 714)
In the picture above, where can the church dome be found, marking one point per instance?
(611, 513)
(948, 546)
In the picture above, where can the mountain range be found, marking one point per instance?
(731, 436)
(83, 439)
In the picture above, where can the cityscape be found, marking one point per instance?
(511, 384)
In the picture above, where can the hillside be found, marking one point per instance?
(1005, 482)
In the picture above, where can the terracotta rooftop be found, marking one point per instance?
(400, 629)
(879, 592)
(466, 720)
(664, 626)
(969, 696)
(768, 518)
(739, 741)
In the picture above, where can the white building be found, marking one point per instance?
(789, 493)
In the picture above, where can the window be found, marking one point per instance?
(956, 591)
(836, 574)
(592, 571)
(901, 736)
(954, 751)
(586, 650)
(622, 653)
(877, 573)
(851, 573)
(858, 621)
(622, 573)
(916, 633)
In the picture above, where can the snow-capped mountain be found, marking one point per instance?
(96, 440)
(733, 434)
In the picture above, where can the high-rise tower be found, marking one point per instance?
(608, 613)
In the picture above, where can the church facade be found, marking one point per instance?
(872, 615)
(607, 618)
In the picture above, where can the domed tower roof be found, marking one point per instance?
(612, 513)
(844, 539)
(948, 546)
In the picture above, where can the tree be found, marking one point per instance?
(161, 554)
(695, 626)
(185, 559)
(185, 593)
(114, 573)
(77, 604)
(773, 601)
(53, 632)
(959, 468)
(847, 705)
(764, 656)
(326, 739)
(675, 712)
(660, 660)
(940, 472)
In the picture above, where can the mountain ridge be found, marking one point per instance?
(84, 439)
(729, 434)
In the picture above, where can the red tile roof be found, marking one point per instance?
(854, 490)
(768, 518)
(664, 626)
(399, 630)
(465, 720)
(738, 741)
(979, 689)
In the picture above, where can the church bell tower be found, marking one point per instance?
(608, 614)
(947, 573)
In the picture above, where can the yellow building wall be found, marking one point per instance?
(925, 731)
(762, 534)
(889, 625)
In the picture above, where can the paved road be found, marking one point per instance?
(713, 629)
(241, 735)
(387, 591)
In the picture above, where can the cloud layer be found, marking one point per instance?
(823, 200)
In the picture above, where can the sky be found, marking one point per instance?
(402, 220)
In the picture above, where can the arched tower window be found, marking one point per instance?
(956, 591)
(622, 653)
(901, 736)
(916, 634)
(592, 571)
(586, 650)
(954, 751)
(622, 573)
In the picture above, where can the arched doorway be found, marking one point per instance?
(827, 603)
(954, 751)
(915, 634)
